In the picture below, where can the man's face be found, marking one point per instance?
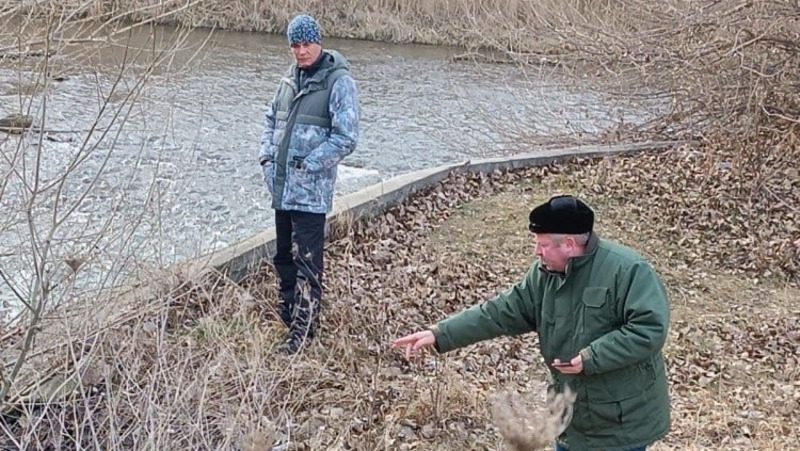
(553, 254)
(306, 53)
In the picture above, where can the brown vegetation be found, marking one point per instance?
(197, 369)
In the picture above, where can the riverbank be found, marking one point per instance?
(199, 369)
(463, 23)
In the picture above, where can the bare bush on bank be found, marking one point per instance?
(60, 261)
(725, 70)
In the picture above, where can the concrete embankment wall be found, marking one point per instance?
(247, 255)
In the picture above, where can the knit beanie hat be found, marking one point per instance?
(562, 214)
(303, 28)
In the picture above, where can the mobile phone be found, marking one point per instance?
(562, 364)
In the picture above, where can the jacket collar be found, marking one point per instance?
(581, 260)
(329, 61)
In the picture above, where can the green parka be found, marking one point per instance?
(610, 307)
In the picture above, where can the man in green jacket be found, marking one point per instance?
(602, 316)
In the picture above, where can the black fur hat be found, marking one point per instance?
(562, 214)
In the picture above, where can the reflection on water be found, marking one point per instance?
(186, 155)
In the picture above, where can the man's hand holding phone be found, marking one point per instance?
(573, 366)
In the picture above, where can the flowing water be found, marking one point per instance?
(173, 162)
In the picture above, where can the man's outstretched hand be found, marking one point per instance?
(414, 342)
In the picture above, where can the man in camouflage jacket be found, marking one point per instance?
(311, 125)
(602, 315)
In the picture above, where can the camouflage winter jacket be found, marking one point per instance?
(308, 132)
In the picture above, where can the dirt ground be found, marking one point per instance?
(199, 369)
(732, 338)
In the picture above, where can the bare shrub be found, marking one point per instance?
(73, 240)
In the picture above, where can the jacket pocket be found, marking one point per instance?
(596, 418)
(595, 297)
(303, 188)
(597, 318)
(606, 415)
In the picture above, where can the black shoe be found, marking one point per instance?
(286, 317)
(294, 343)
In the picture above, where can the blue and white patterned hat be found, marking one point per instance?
(303, 28)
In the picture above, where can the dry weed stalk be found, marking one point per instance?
(526, 425)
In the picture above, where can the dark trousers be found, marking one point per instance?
(561, 448)
(298, 261)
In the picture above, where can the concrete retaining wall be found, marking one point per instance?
(240, 259)
(246, 256)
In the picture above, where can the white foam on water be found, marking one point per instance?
(352, 179)
(346, 171)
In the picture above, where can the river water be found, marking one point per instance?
(176, 169)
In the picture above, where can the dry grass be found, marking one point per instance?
(198, 369)
(453, 22)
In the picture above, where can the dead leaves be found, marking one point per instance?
(742, 220)
(733, 373)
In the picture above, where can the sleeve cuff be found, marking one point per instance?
(312, 165)
(442, 343)
(587, 359)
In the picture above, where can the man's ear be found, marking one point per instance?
(570, 240)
